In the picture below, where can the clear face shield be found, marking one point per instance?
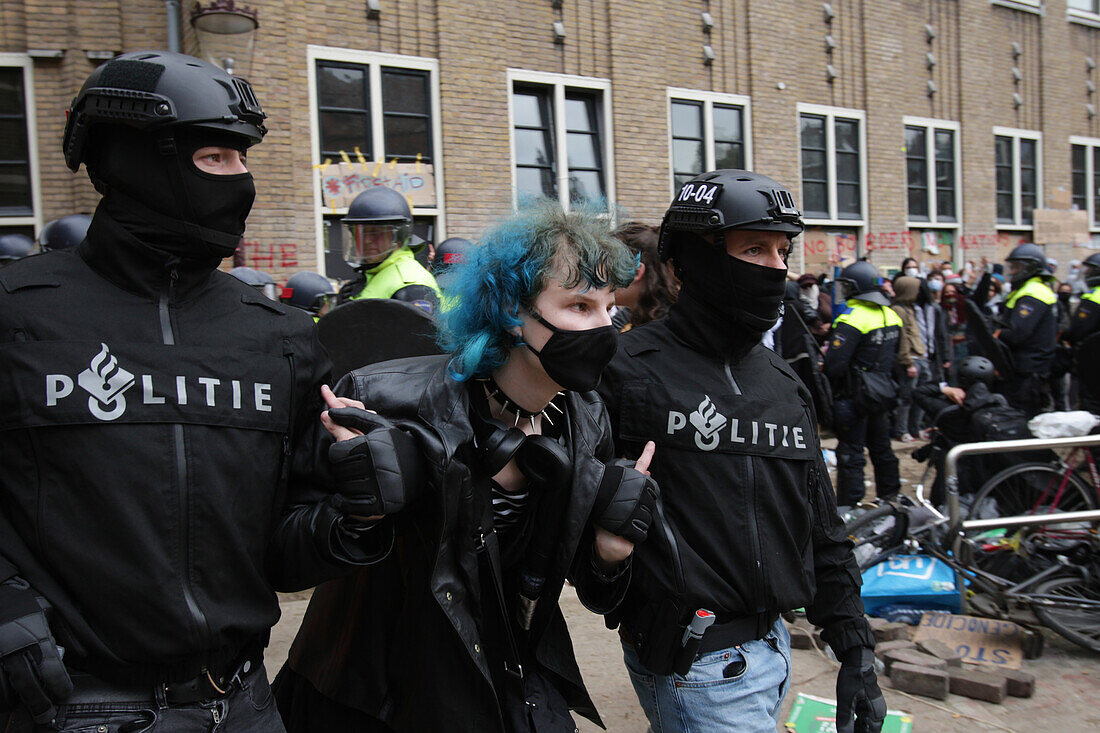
(270, 290)
(368, 243)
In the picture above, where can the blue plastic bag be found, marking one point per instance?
(912, 580)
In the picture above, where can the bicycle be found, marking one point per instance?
(1060, 583)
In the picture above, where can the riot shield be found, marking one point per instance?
(368, 331)
(993, 349)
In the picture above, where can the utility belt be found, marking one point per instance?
(207, 685)
(665, 643)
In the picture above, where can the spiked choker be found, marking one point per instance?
(494, 391)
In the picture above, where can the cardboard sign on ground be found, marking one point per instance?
(817, 715)
(978, 640)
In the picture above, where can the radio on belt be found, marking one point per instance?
(693, 635)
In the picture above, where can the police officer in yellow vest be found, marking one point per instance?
(1084, 323)
(863, 350)
(1029, 327)
(380, 246)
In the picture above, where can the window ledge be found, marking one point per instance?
(932, 224)
(1083, 17)
(1027, 6)
(1015, 227)
(849, 223)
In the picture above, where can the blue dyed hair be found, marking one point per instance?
(508, 269)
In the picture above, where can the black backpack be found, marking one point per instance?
(1000, 422)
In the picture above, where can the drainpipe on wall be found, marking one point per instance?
(173, 9)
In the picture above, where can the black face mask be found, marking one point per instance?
(1064, 297)
(738, 290)
(576, 359)
(165, 200)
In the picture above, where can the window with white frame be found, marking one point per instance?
(380, 110)
(833, 165)
(1085, 6)
(1085, 167)
(932, 170)
(1017, 164)
(561, 138)
(707, 131)
(20, 210)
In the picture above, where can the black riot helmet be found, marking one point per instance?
(258, 279)
(1032, 262)
(308, 291)
(378, 221)
(449, 252)
(14, 247)
(974, 369)
(1091, 266)
(64, 233)
(156, 90)
(860, 282)
(729, 199)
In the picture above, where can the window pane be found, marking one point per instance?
(1005, 214)
(918, 204)
(1080, 184)
(945, 205)
(1027, 153)
(13, 140)
(15, 188)
(585, 185)
(1004, 179)
(1086, 5)
(847, 136)
(342, 87)
(813, 166)
(1003, 150)
(1095, 183)
(687, 120)
(945, 145)
(727, 124)
(579, 114)
(815, 201)
(915, 138)
(847, 168)
(1027, 205)
(531, 148)
(813, 132)
(405, 92)
(11, 92)
(344, 131)
(535, 182)
(582, 152)
(406, 136)
(847, 201)
(729, 155)
(687, 156)
(680, 179)
(525, 109)
(1027, 180)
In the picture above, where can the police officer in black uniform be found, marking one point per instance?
(1029, 327)
(749, 526)
(1085, 323)
(159, 425)
(863, 350)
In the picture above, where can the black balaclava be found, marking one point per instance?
(727, 301)
(164, 199)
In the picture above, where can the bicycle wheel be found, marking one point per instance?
(877, 534)
(1071, 608)
(1033, 488)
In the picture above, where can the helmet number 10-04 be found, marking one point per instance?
(699, 193)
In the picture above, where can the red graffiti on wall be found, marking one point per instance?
(260, 256)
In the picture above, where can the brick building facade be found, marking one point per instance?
(903, 125)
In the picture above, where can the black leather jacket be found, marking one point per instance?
(157, 419)
(750, 519)
(403, 640)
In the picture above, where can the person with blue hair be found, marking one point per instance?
(495, 481)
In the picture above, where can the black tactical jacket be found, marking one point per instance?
(403, 640)
(747, 501)
(157, 422)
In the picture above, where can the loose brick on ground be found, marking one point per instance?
(940, 650)
(887, 646)
(890, 631)
(923, 681)
(913, 657)
(988, 686)
(1020, 683)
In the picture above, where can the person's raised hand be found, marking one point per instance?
(339, 432)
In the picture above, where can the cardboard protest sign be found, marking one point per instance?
(342, 182)
(1061, 226)
(978, 640)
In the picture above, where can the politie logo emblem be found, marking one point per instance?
(1024, 310)
(107, 383)
(707, 421)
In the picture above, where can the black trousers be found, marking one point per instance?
(854, 431)
(1028, 392)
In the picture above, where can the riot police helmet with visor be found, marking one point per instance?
(64, 233)
(860, 281)
(308, 291)
(378, 221)
(14, 247)
(258, 279)
(1091, 267)
(1025, 262)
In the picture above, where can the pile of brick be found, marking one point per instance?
(929, 668)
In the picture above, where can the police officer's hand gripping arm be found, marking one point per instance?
(31, 670)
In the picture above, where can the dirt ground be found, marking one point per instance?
(1067, 691)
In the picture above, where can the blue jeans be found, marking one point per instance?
(247, 707)
(705, 701)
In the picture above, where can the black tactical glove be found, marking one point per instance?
(860, 706)
(625, 501)
(378, 472)
(31, 671)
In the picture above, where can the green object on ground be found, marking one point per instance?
(817, 715)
